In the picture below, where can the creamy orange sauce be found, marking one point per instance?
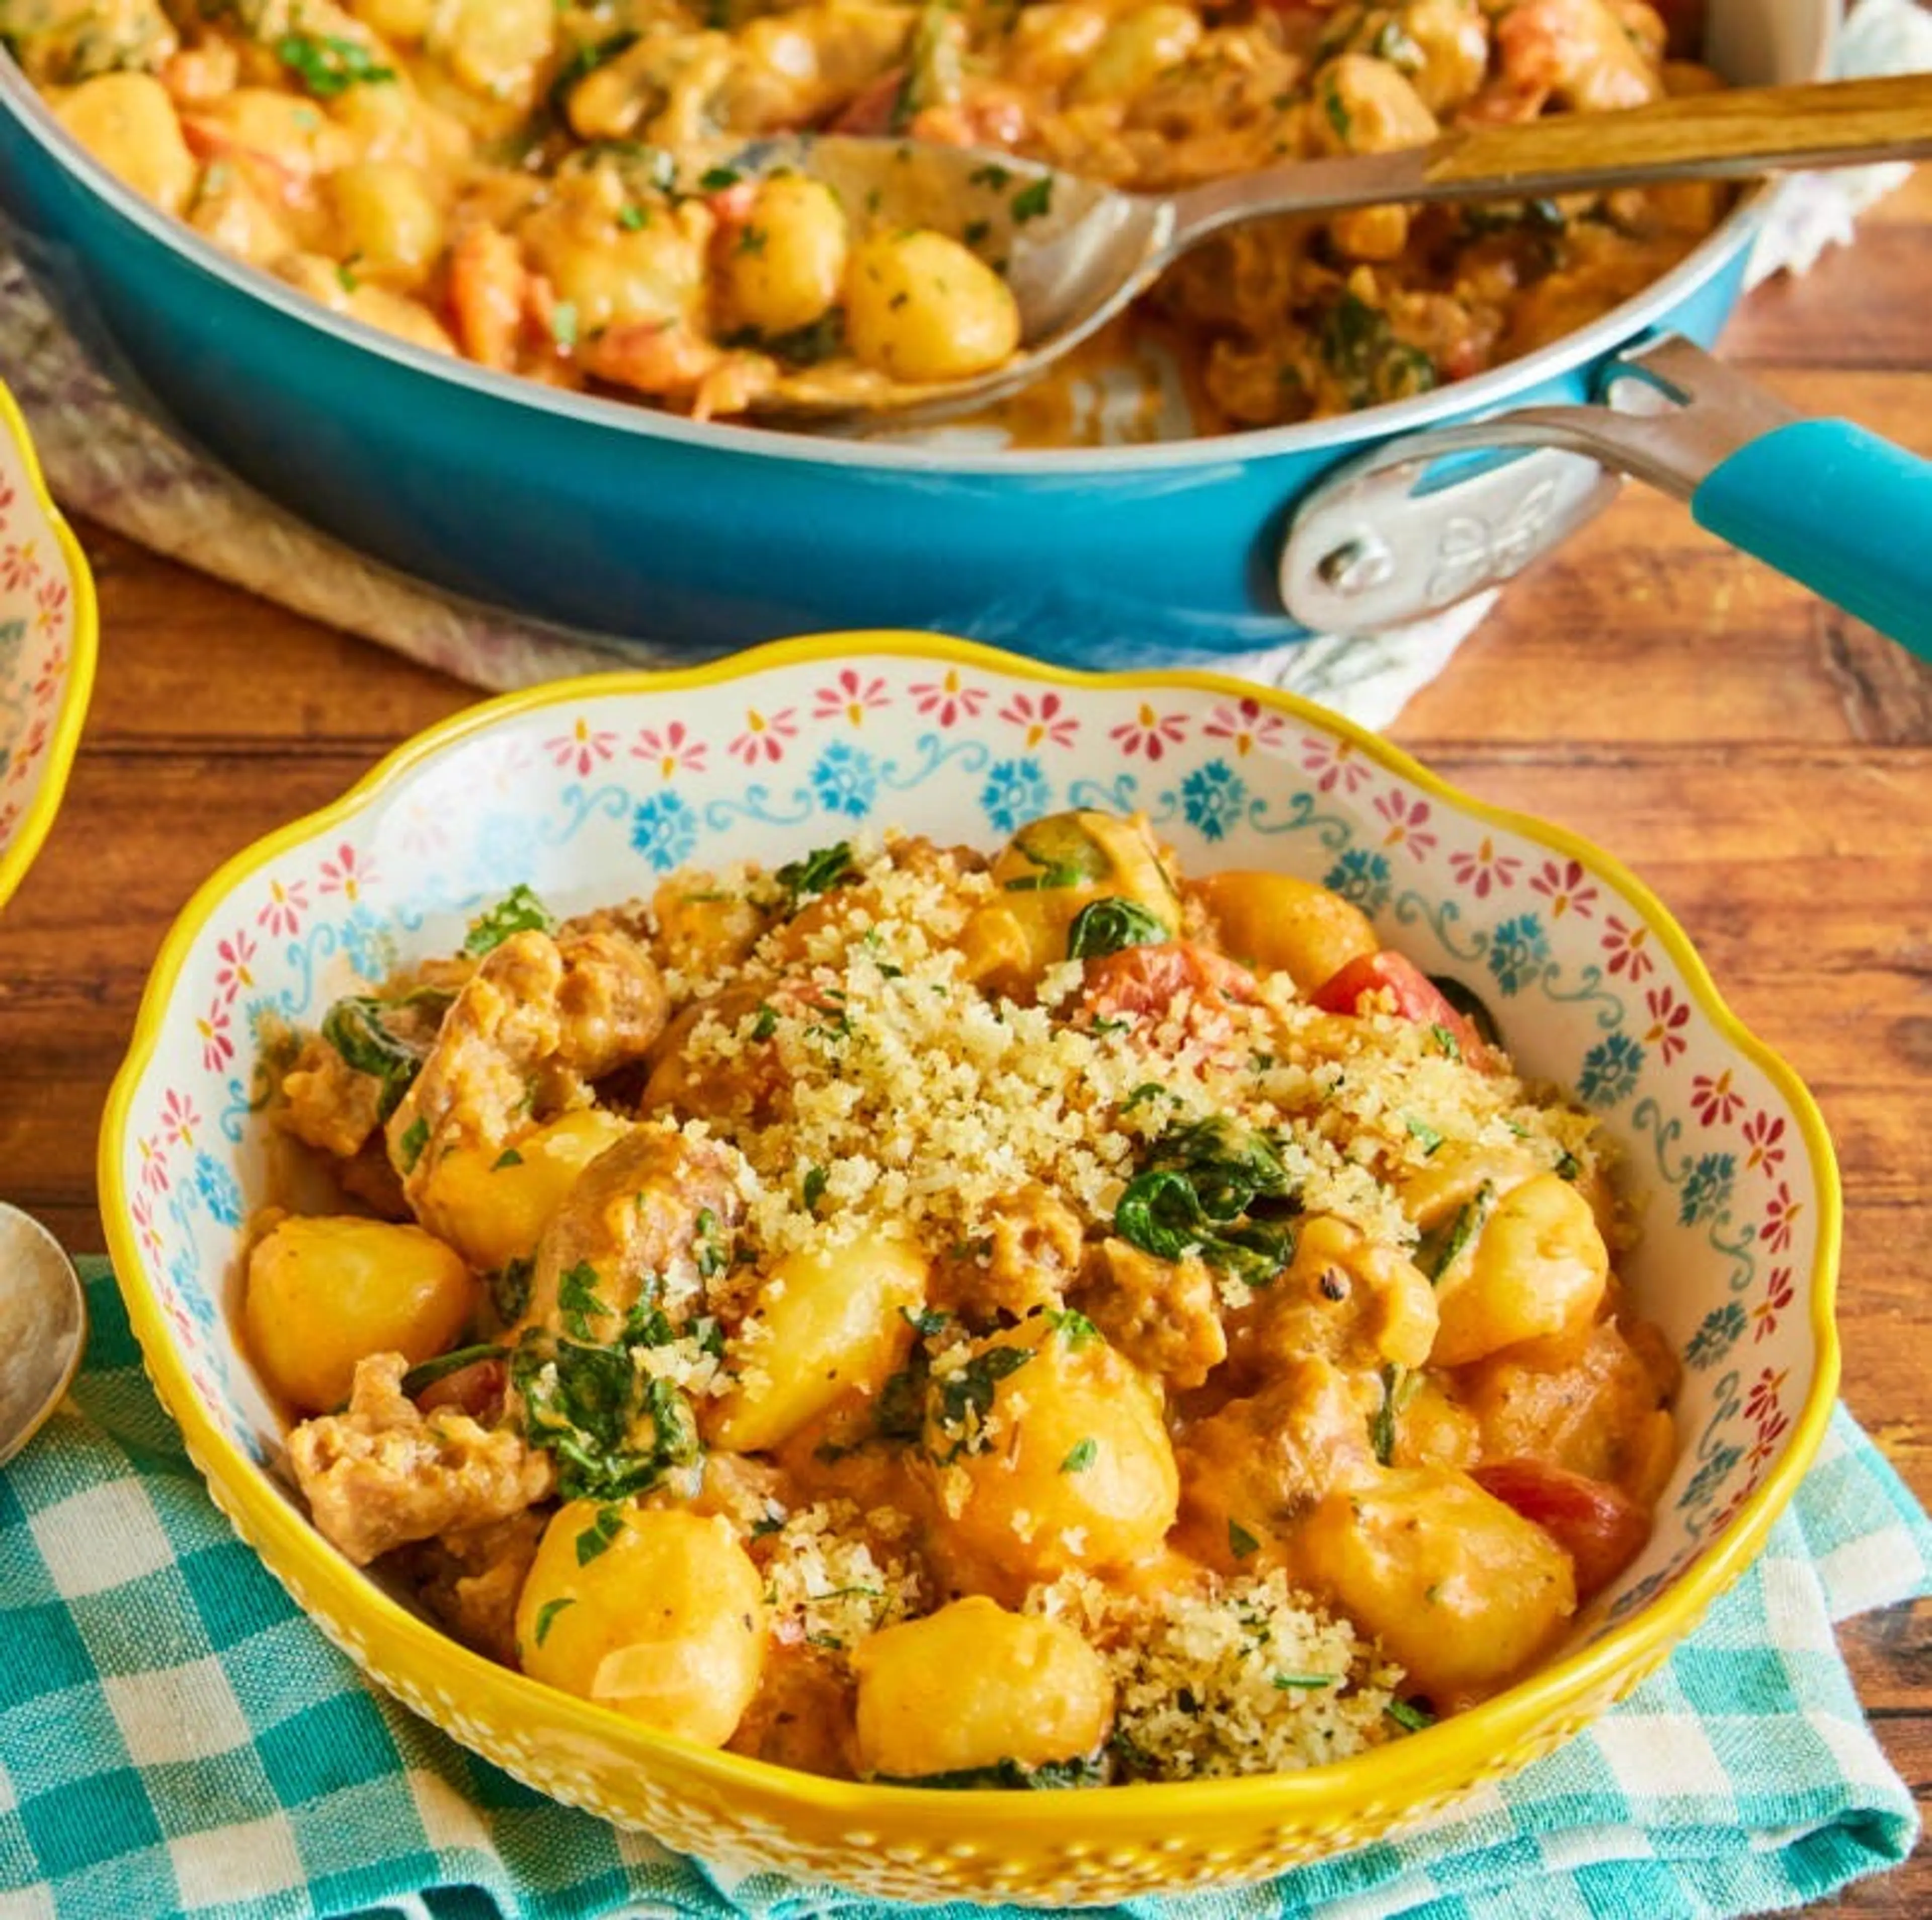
(528, 185)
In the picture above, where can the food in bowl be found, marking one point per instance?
(1024, 1321)
(514, 182)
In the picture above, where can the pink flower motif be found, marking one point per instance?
(286, 907)
(1334, 763)
(1764, 1134)
(671, 747)
(1780, 1216)
(141, 1210)
(1778, 1294)
(52, 669)
(10, 818)
(154, 1168)
(1149, 732)
(1716, 1103)
(347, 873)
(950, 701)
(20, 565)
(1629, 948)
(1731, 1508)
(28, 752)
(852, 695)
(178, 1117)
(516, 757)
(7, 497)
(1045, 719)
(1669, 1016)
(1766, 1391)
(423, 829)
(1485, 869)
(49, 602)
(764, 737)
(1248, 724)
(218, 1045)
(1765, 1444)
(1407, 819)
(1566, 885)
(233, 975)
(581, 748)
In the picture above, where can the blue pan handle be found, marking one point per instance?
(1423, 522)
(1847, 513)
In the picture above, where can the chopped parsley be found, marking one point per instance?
(563, 325)
(327, 65)
(584, 61)
(426, 1373)
(716, 179)
(596, 1538)
(508, 1157)
(577, 1299)
(519, 911)
(612, 1430)
(633, 218)
(1074, 1328)
(547, 1613)
(1010, 1776)
(1241, 1542)
(1408, 1715)
(415, 1138)
(766, 1024)
(1289, 1683)
(1426, 1136)
(1031, 201)
(812, 1189)
(992, 175)
(1081, 1456)
(966, 1397)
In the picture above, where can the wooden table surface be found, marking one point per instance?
(1764, 762)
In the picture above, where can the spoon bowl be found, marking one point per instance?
(1074, 252)
(43, 1327)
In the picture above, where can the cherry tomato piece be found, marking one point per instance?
(1600, 1526)
(1415, 997)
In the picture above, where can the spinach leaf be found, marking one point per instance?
(1439, 1249)
(427, 1372)
(1011, 1776)
(1063, 852)
(356, 1026)
(1106, 926)
(818, 872)
(519, 911)
(966, 1397)
(1194, 1197)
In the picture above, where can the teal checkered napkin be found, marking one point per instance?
(175, 1739)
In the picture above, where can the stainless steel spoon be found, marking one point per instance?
(1075, 252)
(43, 1327)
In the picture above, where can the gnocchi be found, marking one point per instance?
(903, 1313)
(558, 193)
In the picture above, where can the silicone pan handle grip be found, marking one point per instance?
(1848, 513)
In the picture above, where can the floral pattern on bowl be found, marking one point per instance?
(590, 791)
(47, 642)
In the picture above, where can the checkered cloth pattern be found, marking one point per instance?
(175, 1739)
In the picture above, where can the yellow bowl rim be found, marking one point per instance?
(1463, 1747)
(36, 822)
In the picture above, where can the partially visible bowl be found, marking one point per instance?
(589, 791)
(48, 633)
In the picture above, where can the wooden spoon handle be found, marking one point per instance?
(1831, 122)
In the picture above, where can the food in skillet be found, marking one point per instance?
(515, 180)
(1029, 1322)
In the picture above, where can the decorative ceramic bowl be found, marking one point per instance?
(48, 633)
(590, 791)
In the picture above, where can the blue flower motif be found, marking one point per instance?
(1517, 951)
(1722, 1328)
(184, 1275)
(367, 944)
(1609, 1071)
(504, 843)
(663, 829)
(1707, 1189)
(1214, 797)
(1015, 792)
(216, 1186)
(1363, 877)
(844, 781)
(1706, 1483)
(265, 1019)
